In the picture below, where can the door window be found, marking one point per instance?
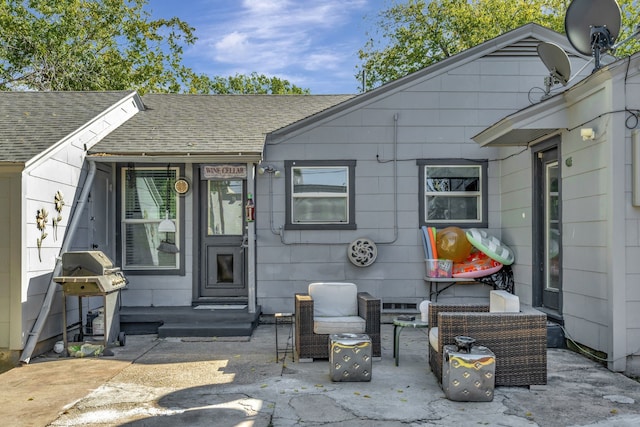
(552, 227)
(225, 208)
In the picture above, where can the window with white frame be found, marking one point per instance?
(320, 194)
(148, 199)
(453, 192)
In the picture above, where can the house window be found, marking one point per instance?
(320, 194)
(453, 192)
(148, 199)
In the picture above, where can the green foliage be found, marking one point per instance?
(105, 45)
(417, 33)
(248, 84)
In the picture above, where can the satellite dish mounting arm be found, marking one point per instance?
(601, 41)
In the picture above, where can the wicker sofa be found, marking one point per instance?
(311, 345)
(518, 340)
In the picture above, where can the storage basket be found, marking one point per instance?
(439, 267)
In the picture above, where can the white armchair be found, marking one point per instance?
(334, 308)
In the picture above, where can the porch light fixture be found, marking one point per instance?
(269, 169)
(587, 134)
(166, 225)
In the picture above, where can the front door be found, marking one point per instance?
(222, 241)
(547, 231)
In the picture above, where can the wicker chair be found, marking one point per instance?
(518, 340)
(310, 345)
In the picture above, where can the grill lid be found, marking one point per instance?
(86, 263)
(89, 271)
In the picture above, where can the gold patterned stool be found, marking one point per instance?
(350, 357)
(468, 371)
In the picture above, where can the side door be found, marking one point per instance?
(547, 238)
(222, 240)
(100, 213)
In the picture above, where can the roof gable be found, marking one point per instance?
(33, 122)
(520, 42)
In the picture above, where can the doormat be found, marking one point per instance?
(220, 307)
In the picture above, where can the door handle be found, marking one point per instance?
(245, 241)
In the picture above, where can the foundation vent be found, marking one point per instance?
(399, 306)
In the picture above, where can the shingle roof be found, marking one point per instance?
(209, 124)
(31, 122)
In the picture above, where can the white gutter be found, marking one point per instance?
(34, 335)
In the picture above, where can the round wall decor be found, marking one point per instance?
(181, 186)
(362, 252)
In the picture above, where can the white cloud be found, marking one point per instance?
(278, 32)
(281, 37)
(232, 42)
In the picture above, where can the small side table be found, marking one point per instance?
(289, 347)
(398, 326)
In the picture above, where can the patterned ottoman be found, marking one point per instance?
(350, 357)
(468, 372)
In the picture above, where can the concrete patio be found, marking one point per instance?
(238, 382)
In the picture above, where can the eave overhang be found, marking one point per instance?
(526, 126)
(177, 158)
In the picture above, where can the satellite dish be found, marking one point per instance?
(557, 62)
(592, 26)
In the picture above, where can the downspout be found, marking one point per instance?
(34, 335)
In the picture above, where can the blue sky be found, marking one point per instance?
(311, 43)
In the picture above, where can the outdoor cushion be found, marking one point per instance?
(433, 338)
(334, 299)
(339, 325)
(503, 302)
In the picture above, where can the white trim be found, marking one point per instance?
(113, 117)
(251, 247)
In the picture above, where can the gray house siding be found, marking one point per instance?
(436, 117)
(585, 222)
(631, 340)
(10, 257)
(600, 224)
(515, 181)
(60, 168)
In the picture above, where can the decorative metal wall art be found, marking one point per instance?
(59, 203)
(42, 217)
(362, 252)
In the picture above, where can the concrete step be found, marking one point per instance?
(187, 321)
(194, 330)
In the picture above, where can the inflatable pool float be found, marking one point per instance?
(478, 264)
(491, 246)
(426, 243)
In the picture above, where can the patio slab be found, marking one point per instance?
(238, 382)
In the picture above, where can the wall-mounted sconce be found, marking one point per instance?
(269, 169)
(587, 134)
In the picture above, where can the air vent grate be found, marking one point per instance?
(399, 306)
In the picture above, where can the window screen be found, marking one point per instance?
(148, 199)
(453, 193)
(320, 194)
